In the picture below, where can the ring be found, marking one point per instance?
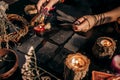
(77, 22)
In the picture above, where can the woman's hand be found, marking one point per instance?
(48, 4)
(84, 23)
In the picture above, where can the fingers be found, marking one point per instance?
(46, 4)
(81, 25)
(84, 23)
(49, 6)
(39, 4)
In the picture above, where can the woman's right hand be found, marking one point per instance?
(84, 23)
(48, 6)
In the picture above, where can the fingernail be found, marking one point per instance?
(52, 8)
(77, 23)
(46, 9)
(75, 28)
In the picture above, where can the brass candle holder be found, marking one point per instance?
(79, 64)
(104, 47)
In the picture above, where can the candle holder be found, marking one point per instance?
(79, 64)
(41, 29)
(104, 47)
(40, 24)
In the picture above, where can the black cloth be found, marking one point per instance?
(9, 1)
(75, 8)
(97, 6)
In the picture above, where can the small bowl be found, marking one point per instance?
(8, 63)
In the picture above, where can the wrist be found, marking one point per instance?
(102, 19)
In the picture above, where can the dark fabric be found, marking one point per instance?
(73, 10)
(97, 6)
(34, 1)
(10, 1)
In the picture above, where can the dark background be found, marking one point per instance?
(78, 9)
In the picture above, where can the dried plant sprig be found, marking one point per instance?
(5, 21)
(30, 69)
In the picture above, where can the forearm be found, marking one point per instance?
(114, 14)
(107, 17)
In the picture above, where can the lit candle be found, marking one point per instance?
(104, 48)
(74, 62)
(106, 43)
(77, 62)
(39, 29)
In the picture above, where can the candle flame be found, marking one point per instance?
(106, 43)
